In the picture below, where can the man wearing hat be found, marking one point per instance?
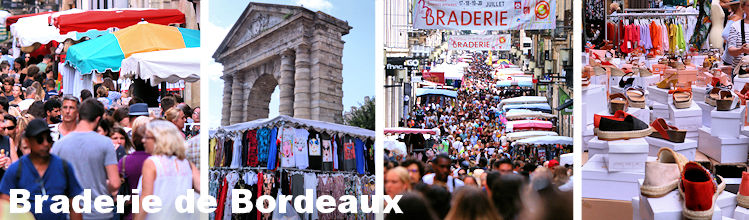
(41, 173)
(135, 110)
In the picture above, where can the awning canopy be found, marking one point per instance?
(115, 18)
(108, 51)
(164, 66)
(537, 125)
(564, 140)
(13, 19)
(36, 29)
(516, 114)
(514, 136)
(409, 131)
(320, 126)
(542, 107)
(523, 100)
(442, 92)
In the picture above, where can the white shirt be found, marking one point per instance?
(25, 104)
(452, 183)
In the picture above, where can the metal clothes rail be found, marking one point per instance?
(283, 168)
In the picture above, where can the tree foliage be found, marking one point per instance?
(362, 116)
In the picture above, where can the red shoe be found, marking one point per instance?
(667, 132)
(699, 191)
(743, 197)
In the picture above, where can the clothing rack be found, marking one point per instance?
(645, 15)
(279, 169)
(650, 9)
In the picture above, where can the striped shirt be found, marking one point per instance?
(734, 39)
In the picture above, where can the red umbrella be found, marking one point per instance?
(104, 19)
(13, 19)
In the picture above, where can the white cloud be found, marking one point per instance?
(322, 5)
(212, 37)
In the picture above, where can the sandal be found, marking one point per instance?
(629, 81)
(668, 80)
(682, 97)
(712, 95)
(725, 100)
(743, 94)
(667, 132)
(617, 102)
(586, 76)
(635, 97)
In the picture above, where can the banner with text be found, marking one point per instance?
(484, 14)
(479, 42)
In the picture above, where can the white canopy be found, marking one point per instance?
(515, 114)
(547, 140)
(452, 71)
(36, 29)
(320, 126)
(529, 134)
(164, 66)
(523, 100)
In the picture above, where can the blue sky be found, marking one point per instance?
(358, 52)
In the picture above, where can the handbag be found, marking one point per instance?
(124, 185)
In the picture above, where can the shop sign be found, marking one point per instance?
(479, 42)
(436, 77)
(484, 14)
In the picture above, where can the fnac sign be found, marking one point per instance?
(542, 9)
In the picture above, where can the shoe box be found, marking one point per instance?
(731, 122)
(594, 92)
(621, 155)
(699, 93)
(706, 110)
(688, 148)
(723, 149)
(659, 95)
(660, 110)
(689, 119)
(738, 82)
(598, 181)
(670, 206)
(741, 213)
(588, 134)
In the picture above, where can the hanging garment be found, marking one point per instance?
(273, 149)
(315, 151)
(680, 36)
(287, 143)
(212, 152)
(672, 38)
(702, 25)
(263, 143)
(310, 182)
(666, 37)
(336, 152)
(655, 38)
(252, 148)
(349, 156)
(360, 160)
(301, 157)
(327, 152)
(236, 154)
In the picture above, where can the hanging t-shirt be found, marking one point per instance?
(315, 151)
(327, 152)
(370, 153)
(236, 160)
(251, 156)
(287, 145)
(349, 154)
(300, 148)
(360, 160)
(263, 143)
(681, 43)
(273, 149)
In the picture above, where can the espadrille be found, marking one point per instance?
(711, 96)
(682, 97)
(635, 96)
(699, 190)
(662, 176)
(742, 198)
(620, 126)
(725, 100)
(667, 132)
(617, 102)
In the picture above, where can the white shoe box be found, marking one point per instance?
(644, 82)
(741, 213)
(706, 110)
(598, 80)
(724, 150)
(627, 155)
(660, 111)
(730, 122)
(670, 206)
(596, 146)
(636, 208)
(587, 136)
(738, 83)
(698, 93)
(658, 95)
(640, 113)
(688, 148)
(598, 181)
(615, 86)
(598, 102)
(689, 119)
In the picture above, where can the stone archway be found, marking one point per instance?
(292, 47)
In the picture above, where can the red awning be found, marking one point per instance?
(409, 131)
(13, 19)
(104, 19)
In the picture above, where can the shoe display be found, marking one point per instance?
(743, 94)
(682, 97)
(587, 71)
(725, 100)
(628, 79)
(620, 126)
(668, 80)
(742, 198)
(635, 96)
(698, 190)
(662, 175)
(711, 96)
(617, 102)
(667, 132)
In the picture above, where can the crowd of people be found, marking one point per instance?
(468, 172)
(60, 144)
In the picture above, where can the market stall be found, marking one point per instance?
(287, 155)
